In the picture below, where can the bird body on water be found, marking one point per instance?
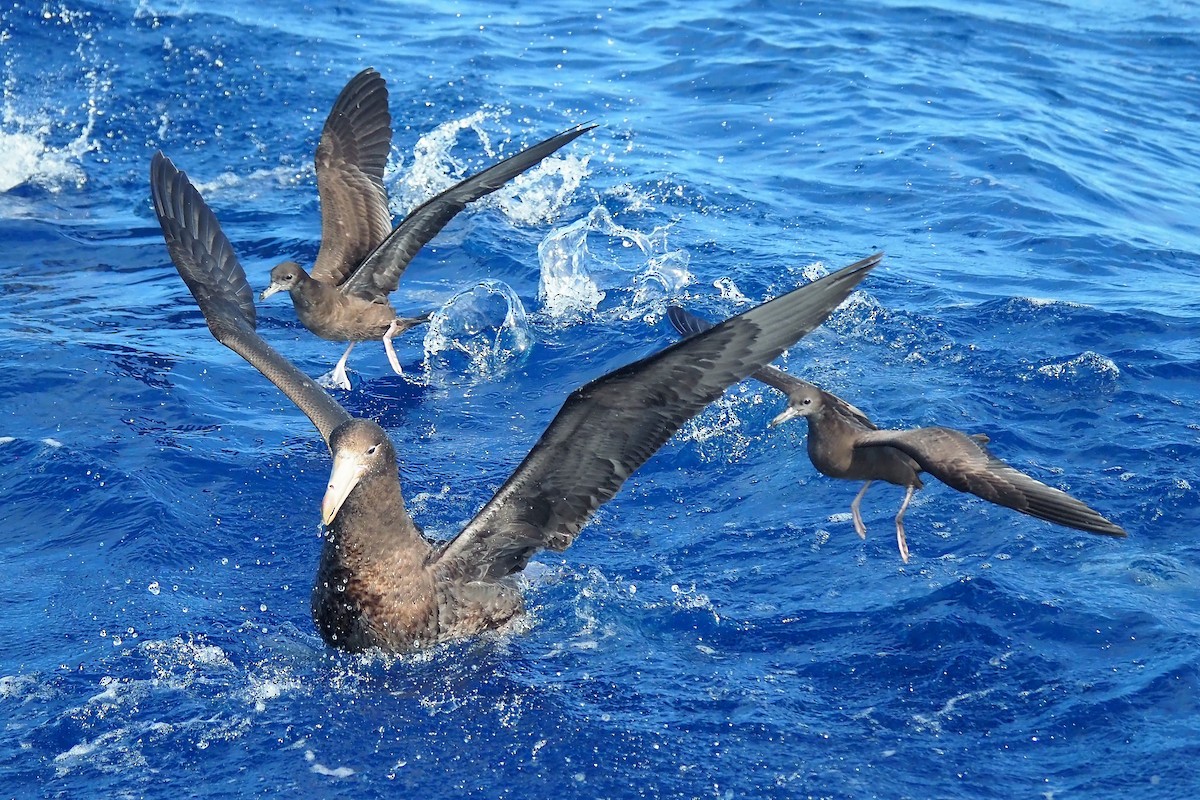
(844, 443)
(361, 258)
(380, 582)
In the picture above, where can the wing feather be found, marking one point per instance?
(211, 270)
(689, 324)
(379, 273)
(351, 158)
(965, 463)
(607, 429)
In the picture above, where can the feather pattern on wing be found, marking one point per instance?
(608, 428)
(211, 270)
(379, 273)
(351, 157)
(689, 324)
(965, 463)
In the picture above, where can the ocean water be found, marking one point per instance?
(719, 630)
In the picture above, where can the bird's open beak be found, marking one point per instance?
(270, 290)
(788, 413)
(342, 479)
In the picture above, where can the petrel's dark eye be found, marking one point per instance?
(374, 447)
(808, 401)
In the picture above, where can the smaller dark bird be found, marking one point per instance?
(844, 443)
(362, 257)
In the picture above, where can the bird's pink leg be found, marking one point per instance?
(393, 329)
(900, 538)
(337, 378)
(859, 527)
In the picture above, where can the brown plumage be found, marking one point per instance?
(380, 583)
(844, 443)
(362, 257)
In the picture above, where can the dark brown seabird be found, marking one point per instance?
(380, 582)
(361, 257)
(844, 443)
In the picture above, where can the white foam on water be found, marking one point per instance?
(1086, 363)
(24, 688)
(932, 723)
(264, 688)
(111, 752)
(321, 769)
(117, 737)
(179, 662)
(31, 127)
(1044, 302)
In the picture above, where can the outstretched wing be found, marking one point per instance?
(965, 463)
(611, 426)
(351, 158)
(211, 270)
(379, 274)
(689, 324)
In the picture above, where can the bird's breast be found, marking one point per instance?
(379, 602)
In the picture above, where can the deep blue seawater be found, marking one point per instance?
(1031, 170)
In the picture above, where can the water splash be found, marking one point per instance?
(536, 195)
(582, 261)
(814, 271)
(730, 291)
(719, 432)
(42, 141)
(26, 158)
(487, 323)
(544, 192)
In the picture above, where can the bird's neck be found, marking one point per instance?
(373, 522)
(828, 438)
(307, 292)
(373, 585)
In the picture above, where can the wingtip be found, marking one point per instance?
(200, 250)
(1092, 522)
(870, 262)
(848, 277)
(689, 324)
(685, 322)
(161, 169)
(676, 316)
(569, 135)
(561, 139)
(364, 76)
